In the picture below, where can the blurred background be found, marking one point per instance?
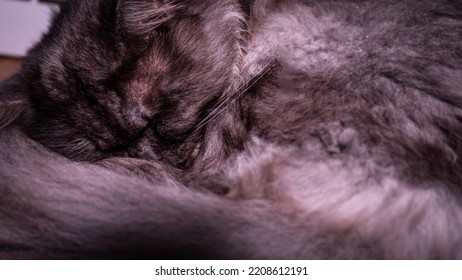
(22, 22)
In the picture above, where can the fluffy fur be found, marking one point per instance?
(236, 129)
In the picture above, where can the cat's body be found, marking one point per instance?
(237, 129)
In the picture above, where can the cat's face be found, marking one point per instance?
(129, 78)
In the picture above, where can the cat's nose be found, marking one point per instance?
(135, 119)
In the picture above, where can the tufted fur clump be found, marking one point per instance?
(236, 129)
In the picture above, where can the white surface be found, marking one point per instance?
(21, 25)
(147, 270)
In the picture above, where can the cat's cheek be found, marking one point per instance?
(14, 105)
(10, 113)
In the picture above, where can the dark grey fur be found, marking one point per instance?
(236, 129)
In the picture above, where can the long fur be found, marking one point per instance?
(236, 129)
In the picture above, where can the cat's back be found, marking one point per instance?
(364, 119)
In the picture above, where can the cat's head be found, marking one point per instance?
(125, 77)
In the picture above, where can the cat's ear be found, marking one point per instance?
(141, 18)
(14, 104)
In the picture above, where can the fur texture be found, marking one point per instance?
(236, 129)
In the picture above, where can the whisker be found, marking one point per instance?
(223, 105)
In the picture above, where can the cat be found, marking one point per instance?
(236, 129)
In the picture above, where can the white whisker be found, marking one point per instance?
(222, 106)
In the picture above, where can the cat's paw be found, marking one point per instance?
(337, 138)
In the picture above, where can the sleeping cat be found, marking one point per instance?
(236, 129)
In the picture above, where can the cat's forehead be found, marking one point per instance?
(146, 36)
(95, 54)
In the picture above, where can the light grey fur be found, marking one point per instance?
(55, 208)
